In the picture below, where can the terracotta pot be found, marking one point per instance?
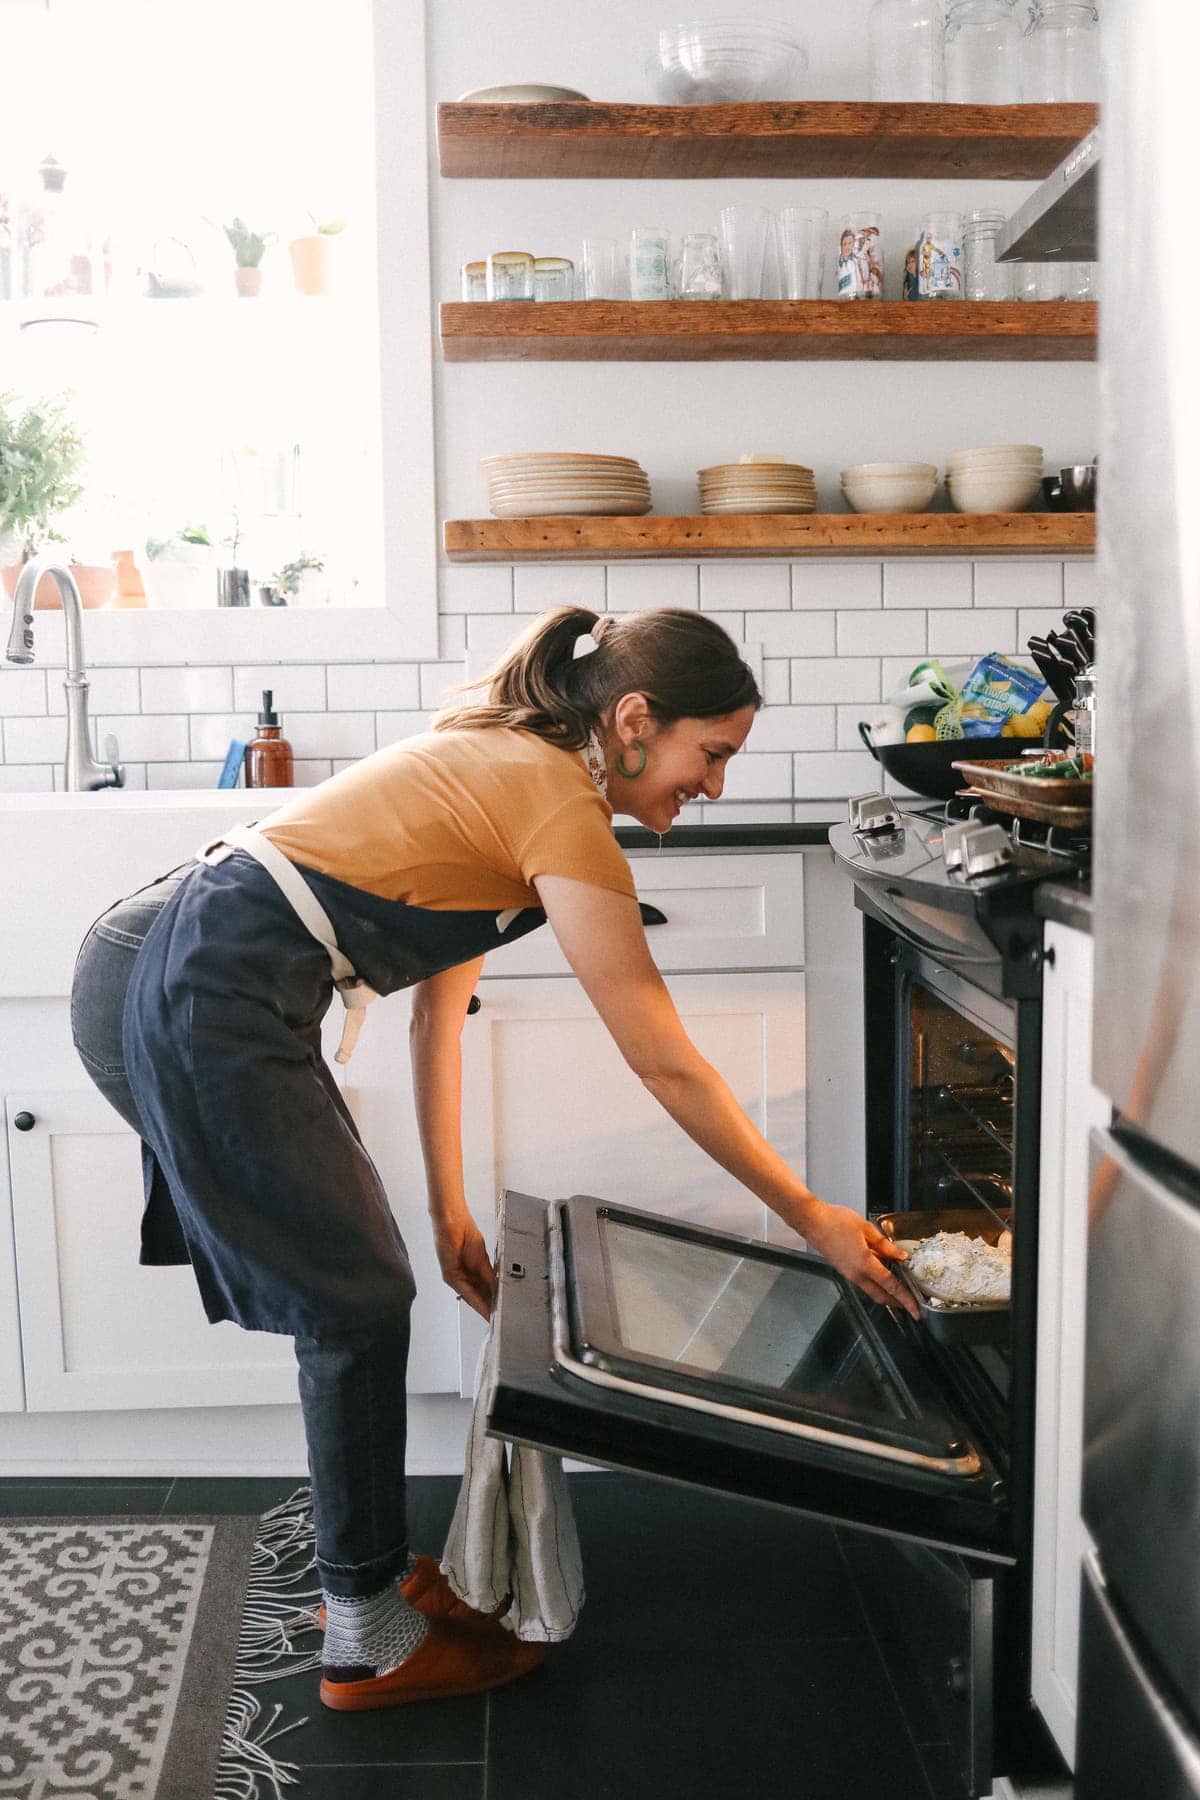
(96, 583)
(312, 264)
(248, 281)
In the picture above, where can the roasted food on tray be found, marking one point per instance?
(954, 1269)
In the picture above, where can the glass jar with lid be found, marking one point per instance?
(905, 40)
(983, 277)
(983, 46)
(1060, 52)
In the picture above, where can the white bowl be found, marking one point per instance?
(993, 493)
(891, 493)
(520, 93)
(995, 453)
(885, 469)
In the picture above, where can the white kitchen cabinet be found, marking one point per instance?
(1070, 1107)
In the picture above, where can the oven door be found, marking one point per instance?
(642, 1343)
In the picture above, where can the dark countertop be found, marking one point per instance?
(795, 825)
(1066, 902)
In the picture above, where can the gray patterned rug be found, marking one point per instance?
(130, 1651)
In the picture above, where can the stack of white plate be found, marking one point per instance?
(539, 484)
(995, 478)
(757, 487)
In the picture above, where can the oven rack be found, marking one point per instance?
(967, 1182)
(954, 1095)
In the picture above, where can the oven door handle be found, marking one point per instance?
(933, 946)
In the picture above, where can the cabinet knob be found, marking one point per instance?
(474, 1004)
(24, 1121)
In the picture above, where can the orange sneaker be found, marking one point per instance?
(452, 1660)
(426, 1588)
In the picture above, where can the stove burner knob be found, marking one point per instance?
(872, 812)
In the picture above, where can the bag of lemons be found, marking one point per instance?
(996, 690)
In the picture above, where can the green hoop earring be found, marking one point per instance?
(632, 774)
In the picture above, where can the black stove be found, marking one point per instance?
(959, 881)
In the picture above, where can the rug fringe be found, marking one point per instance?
(279, 1607)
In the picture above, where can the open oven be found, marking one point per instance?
(647, 1344)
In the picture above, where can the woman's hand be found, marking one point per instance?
(859, 1251)
(464, 1261)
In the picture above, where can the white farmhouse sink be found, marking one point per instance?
(66, 857)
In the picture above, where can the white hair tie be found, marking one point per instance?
(585, 643)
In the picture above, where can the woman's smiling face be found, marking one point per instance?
(685, 761)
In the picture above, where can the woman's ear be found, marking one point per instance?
(631, 717)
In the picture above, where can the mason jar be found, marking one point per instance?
(1060, 52)
(905, 38)
(983, 277)
(983, 48)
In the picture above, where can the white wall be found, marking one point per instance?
(833, 636)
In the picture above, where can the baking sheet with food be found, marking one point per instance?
(967, 1321)
(1018, 780)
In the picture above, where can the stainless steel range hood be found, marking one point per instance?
(1058, 221)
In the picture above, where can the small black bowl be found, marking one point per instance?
(923, 768)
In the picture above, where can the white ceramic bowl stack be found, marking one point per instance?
(996, 478)
(890, 487)
(757, 487)
(544, 484)
(704, 63)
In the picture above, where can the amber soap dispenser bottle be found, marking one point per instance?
(268, 757)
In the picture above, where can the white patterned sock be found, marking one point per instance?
(369, 1636)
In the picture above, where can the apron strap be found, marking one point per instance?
(356, 995)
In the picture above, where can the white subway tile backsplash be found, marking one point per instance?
(794, 728)
(392, 727)
(751, 776)
(848, 737)
(297, 687)
(1080, 584)
(22, 693)
(109, 691)
(1001, 581)
(135, 777)
(836, 585)
(363, 687)
(881, 634)
(824, 776)
(539, 586)
(488, 639)
(758, 587)
(209, 734)
(637, 586)
(735, 624)
(183, 776)
(452, 636)
(309, 771)
(927, 581)
(186, 690)
(331, 734)
(149, 737)
(26, 778)
(777, 681)
(437, 679)
(1036, 623)
(795, 634)
(829, 679)
(35, 740)
(467, 589)
(973, 633)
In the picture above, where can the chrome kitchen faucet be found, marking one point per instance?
(82, 772)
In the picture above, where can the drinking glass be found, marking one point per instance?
(474, 281)
(743, 250)
(601, 269)
(553, 278)
(939, 251)
(510, 275)
(983, 277)
(860, 257)
(699, 275)
(649, 263)
(801, 242)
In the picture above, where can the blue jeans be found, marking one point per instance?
(352, 1388)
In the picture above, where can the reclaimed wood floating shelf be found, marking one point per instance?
(614, 539)
(836, 139)
(768, 330)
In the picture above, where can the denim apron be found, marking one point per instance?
(255, 1171)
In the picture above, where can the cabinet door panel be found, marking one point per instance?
(550, 1106)
(97, 1330)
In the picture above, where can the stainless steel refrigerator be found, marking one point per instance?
(1139, 1717)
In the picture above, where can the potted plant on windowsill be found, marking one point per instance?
(233, 582)
(298, 582)
(41, 460)
(312, 256)
(181, 568)
(249, 248)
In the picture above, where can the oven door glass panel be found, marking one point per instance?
(644, 1343)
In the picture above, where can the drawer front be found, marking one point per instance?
(722, 912)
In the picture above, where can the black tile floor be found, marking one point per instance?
(723, 1653)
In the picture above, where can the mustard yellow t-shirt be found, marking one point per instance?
(455, 820)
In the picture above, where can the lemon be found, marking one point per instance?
(920, 734)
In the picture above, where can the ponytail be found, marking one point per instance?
(682, 661)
